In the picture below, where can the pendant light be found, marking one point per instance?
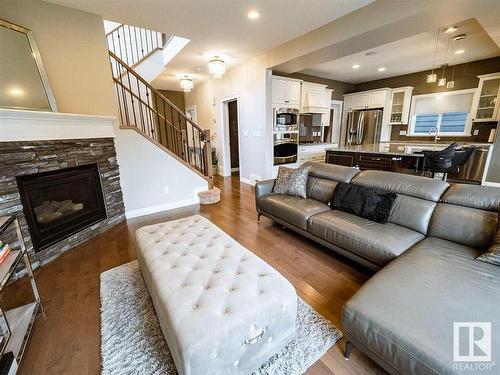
(186, 84)
(216, 67)
(442, 80)
(431, 78)
(458, 51)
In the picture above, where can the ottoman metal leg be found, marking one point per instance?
(258, 218)
(347, 350)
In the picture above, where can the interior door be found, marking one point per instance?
(233, 133)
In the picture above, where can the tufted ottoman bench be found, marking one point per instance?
(221, 308)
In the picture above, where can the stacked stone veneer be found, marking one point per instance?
(21, 158)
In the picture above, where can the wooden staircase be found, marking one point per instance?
(144, 109)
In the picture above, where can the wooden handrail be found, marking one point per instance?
(133, 72)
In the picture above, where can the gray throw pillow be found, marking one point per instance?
(492, 255)
(291, 181)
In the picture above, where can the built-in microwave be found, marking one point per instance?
(286, 119)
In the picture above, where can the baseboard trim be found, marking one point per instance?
(494, 184)
(246, 181)
(161, 207)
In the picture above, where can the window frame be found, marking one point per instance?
(468, 121)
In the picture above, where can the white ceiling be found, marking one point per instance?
(408, 55)
(218, 27)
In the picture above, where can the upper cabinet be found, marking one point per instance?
(286, 92)
(400, 105)
(486, 100)
(366, 100)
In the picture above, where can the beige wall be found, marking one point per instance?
(74, 54)
(176, 97)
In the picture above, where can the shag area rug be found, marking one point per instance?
(132, 341)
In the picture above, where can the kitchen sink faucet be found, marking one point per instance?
(435, 130)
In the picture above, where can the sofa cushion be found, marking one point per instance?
(465, 225)
(293, 210)
(320, 189)
(405, 313)
(379, 243)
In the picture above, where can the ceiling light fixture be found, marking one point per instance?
(355, 66)
(216, 67)
(381, 69)
(186, 84)
(253, 15)
(459, 51)
(450, 29)
(431, 78)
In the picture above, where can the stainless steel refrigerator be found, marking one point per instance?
(364, 127)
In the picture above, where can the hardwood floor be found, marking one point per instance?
(67, 339)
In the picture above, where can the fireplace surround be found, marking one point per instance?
(21, 159)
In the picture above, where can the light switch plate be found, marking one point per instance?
(476, 132)
(402, 132)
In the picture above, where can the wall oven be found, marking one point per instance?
(285, 148)
(286, 119)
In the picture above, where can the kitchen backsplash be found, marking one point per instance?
(483, 135)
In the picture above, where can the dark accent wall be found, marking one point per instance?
(176, 97)
(339, 88)
(465, 78)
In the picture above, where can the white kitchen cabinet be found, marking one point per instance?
(400, 105)
(293, 93)
(361, 101)
(376, 99)
(348, 103)
(486, 103)
(286, 91)
(365, 100)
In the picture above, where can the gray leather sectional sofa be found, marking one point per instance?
(428, 276)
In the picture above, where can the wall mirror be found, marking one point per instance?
(23, 81)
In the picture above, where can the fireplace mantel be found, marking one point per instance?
(21, 125)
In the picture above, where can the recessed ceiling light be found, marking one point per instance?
(381, 69)
(14, 91)
(355, 66)
(459, 51)
(253, 15)
(450, 29)
(459, 37)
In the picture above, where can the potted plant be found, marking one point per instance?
(215, 161)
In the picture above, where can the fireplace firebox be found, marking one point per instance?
(58, 204)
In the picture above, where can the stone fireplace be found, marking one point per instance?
(64, 191)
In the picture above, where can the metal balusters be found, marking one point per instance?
(146, 109)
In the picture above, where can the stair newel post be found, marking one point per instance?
(207, 152)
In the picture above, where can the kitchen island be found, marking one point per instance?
(408, 158)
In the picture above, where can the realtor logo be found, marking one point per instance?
(472, 341)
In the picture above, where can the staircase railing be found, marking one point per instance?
(146, 110)
(133, 44)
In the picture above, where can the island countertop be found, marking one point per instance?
(401, 149)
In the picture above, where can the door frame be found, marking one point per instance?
(192, 108)
(226, 149)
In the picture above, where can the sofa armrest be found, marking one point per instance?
(262, 188)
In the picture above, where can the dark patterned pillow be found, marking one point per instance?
(291, 181)
(492, 255)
